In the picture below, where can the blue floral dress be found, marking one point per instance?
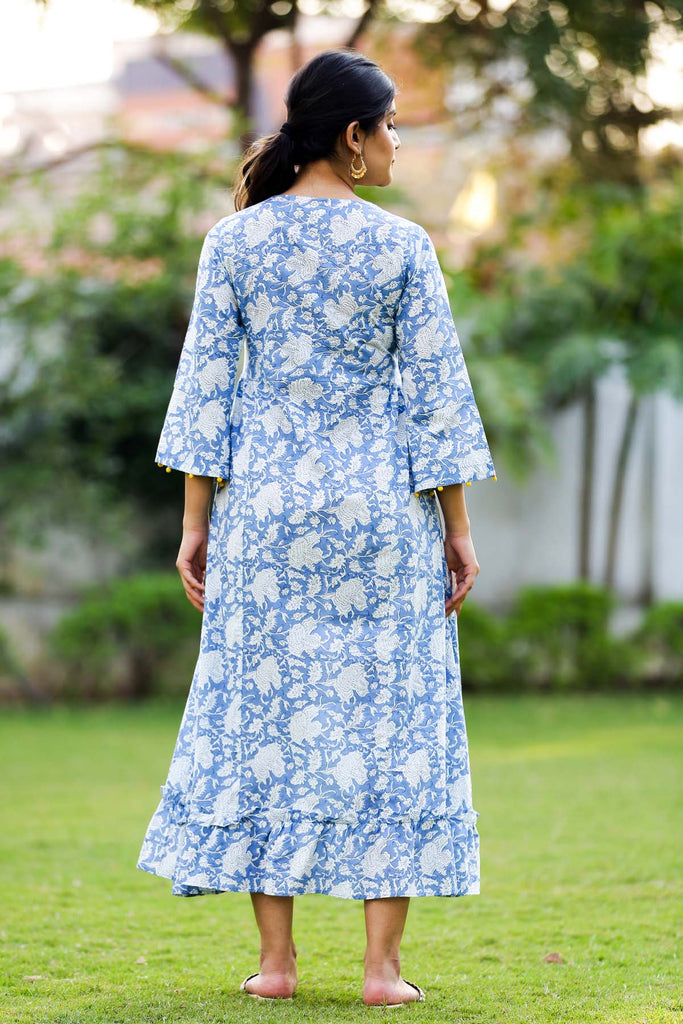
(323, 746)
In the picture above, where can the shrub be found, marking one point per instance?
(134, 637)
(558, 638)
(138, 637)
(483, 642)
(657, 644)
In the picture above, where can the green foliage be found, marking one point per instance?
(576, 67)
(238, 24)
(8, 662)
(134, 637)
(558, 638)
(93, 340)
(508, 386)
(482, 641)
(658, 642)
(615, 298)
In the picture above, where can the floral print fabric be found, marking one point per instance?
(323, 745)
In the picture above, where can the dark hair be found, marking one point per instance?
(323, 97)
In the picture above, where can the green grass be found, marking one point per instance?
(580, 825)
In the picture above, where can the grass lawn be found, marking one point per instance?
(580, 825)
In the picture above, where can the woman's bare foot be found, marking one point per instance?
(376, 992)
(277, 977)
(383, 983)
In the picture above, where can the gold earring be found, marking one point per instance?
(357, 172)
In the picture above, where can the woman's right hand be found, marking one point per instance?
(462, 561)
(191, 564)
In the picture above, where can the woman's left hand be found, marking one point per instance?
(191, 564)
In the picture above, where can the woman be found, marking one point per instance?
(323, 746)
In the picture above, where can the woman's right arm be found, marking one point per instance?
(447, 444)
(452, 501)
(458, 546)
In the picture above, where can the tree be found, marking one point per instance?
(240, 27)
(578, 67)
(614, 300)
(529, 64)
(92, 335)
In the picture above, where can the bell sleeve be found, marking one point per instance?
(446, 439)
(195, 437)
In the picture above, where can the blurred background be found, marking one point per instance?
(542, 148)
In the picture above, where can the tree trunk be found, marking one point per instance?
(647, 592)
(585, 500)
(618, 490)
(243, 59)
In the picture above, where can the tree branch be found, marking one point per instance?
(189, 76)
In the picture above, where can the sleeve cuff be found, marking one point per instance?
(430, 472)
(196, 437)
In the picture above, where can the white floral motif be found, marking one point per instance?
(352, 680)
(350, 769)
(346, 433)
(268, 761)
(339, 312)
(304, 726)
(215, 374)
(323, 745)
(354, 510)
(435, 856)
(303, 638)
(267, 675)
(416, 768)
(304, 553)
(297, 352)
(203, 752)
(376, 860)
(235, 856)
(265, 586)
(305, 390)
(268, 500)
(303, 266)
(309, 468)
(350, 595)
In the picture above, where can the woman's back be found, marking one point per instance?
(330, 298)
(317, 281)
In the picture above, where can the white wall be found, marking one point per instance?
(529, 533)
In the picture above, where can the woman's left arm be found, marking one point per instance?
(196, 436)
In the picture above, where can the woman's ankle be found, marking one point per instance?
(382, 967)
(278, 962)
